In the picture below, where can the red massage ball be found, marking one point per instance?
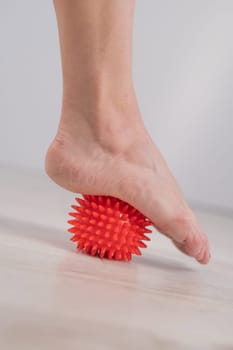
(108, 227)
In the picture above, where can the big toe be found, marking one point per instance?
(196, 247)
(189, 238)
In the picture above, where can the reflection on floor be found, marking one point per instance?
(52, 297)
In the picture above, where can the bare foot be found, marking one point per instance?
(119, 159)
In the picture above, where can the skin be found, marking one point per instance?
(101, 146)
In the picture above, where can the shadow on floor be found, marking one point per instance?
(163, 263)
(37, 232)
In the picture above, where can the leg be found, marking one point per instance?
(101, 146)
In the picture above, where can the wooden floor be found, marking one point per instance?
(52, 297)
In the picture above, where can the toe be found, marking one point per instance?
(188, 237)
(204, 255)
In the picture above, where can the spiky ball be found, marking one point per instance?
(108, 227)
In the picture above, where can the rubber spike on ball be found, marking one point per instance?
(108, 227)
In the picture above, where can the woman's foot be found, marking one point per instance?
(112, 154)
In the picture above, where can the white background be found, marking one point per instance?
(183, 72)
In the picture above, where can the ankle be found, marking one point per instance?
(106, 119)
(96, 91)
